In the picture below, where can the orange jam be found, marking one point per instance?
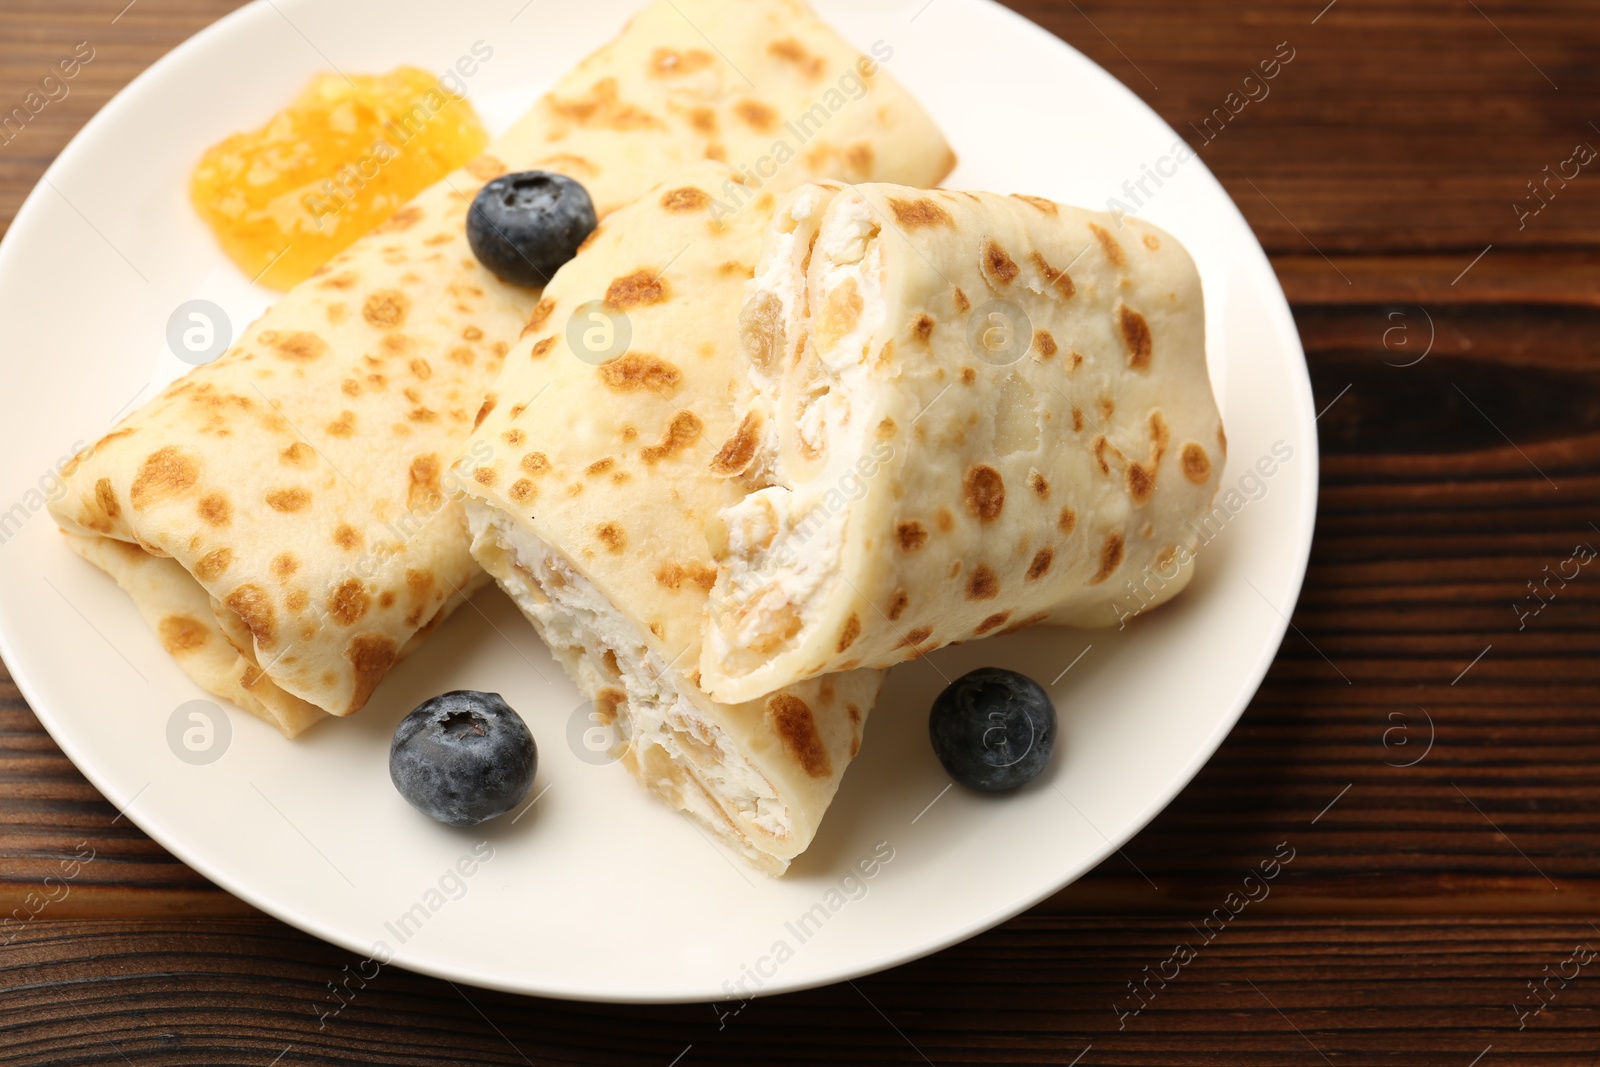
(337, 162)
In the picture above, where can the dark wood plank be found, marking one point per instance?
(1043, 990)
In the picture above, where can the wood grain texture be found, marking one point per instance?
(1422, 900)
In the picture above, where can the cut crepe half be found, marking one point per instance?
(299, 484)
(964, 414)
(592, 515)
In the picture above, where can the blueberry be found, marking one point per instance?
(523, 227)
(993, 729)
(463, 758)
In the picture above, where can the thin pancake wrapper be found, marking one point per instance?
(592, 515)
(965, 414)
(299, 484)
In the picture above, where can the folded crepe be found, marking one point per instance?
(299, 485)
(964, 414)
(592, 514)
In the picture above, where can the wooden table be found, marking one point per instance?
(1424, 902)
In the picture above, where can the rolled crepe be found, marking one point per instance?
(591, 512)
(964, 414)
(299, 485)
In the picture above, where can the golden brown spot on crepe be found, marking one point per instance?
(1160, 436)
(513, 437)
(790, 718)
(638, 370)
(841, 313)
(1101, 445)
(484, 476)
(343, 426)
(421, 369)
(346, 536)
(914, 214)
(999, 265)
(211, 566)
(541, 312)
(1045, 343)
(673, 575)
(683, 431)
(1110, 558)
(523, 491)
(338, 281)
(1109, 245)
(105, 499)
(284, 565)
(1196, 464)
(717, 152)
(963, 305)
(300, 346)
(1107, 408)
(642, 288)
(686, 199)
(739, 449)
(1041, 564)
(350, 387)
(297, 601)
(486, 168)
(419, 583)
(401, 220)
(1047, 206)
(396, 344)
(734, 269)
(165, 473)
(1152, 242)
(911, 535)
(1032, 620)
(1141, 483)
(349, 602)
(983, 584)
(1077, 421)
(1040, 487)
(992, 622)
(945, 520)
(599, 467)
(922, 329)
(897, 605)
(370, 658)
(336, 313)
(667, 62)
(703, 119)
(1136, 334)
(483, 411)
(847, 637)
(1058, 278)
(542, 348)
(423, 492)
(985, 492)
(386, 308)
(180, 634)
(792, 51)
(612, 536)
(254, 607)
(1068, 521)
(463, 355)
(916, 637)
(859, 156)
(213, 507)
(968, 375)
(288, 500)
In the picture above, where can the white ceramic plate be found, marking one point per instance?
(599, 892)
